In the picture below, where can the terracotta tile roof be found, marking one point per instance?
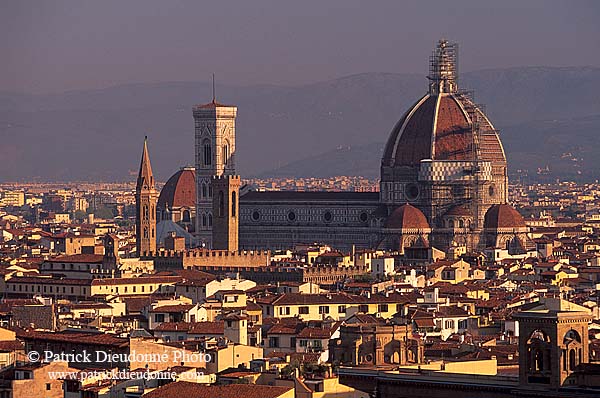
(181, 389)
(173, 308)
(49, 281)
(140, 280)
(436, 127)
(307, 299)
(180, 190)
(211, 328)
(407, 217)
(136, 304)
(315, 333)
(78, 258)
(11, 345)
(75, 337)
(309, 196)
(425, 323)
(503, 216)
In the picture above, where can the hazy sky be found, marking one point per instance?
(49, 46)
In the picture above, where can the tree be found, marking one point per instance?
(103, 212)
(79, 215)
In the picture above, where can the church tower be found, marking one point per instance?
(145, 207)
(553, 342)
(215, 156)
(226, 192)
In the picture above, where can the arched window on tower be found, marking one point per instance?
(572, 360)
(145, 233)
(210, 219)
(207, 153)
(204, 190)
(221, 203)
(204, 220)
(145, 212)
(226, 153)
(233, 204)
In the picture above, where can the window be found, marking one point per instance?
(284, 311)
(226, 154)
(303, 310)
(48, 387)
(341, 309)
(233, 201)
(293, 342)
(221, 203)
(291, 216)
(159, 317)
(382, 308)
(204, 220)
(204, 191)
(323, 309)
(274, 342)
(363, 308)
(207, 153)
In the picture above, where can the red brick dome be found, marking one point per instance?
(438, 127)
(180, 190)
(407, 217)
(503, 216)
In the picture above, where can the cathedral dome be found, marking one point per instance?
(180, 190)
(503, 216)
(440, 125)
(407, 217)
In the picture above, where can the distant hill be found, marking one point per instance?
(97, 134)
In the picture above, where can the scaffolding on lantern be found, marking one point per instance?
(443, 68)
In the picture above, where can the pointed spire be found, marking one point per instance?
(145, 178)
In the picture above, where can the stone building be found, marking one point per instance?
(377, 344)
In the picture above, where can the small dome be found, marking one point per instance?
(459, 211)
(180, 190)
(503, 216)
(407, 217)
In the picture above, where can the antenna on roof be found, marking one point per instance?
(213, 81)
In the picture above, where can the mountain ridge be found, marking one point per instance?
(97, 134)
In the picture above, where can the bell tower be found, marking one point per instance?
(553, 341)
(214, 125)
(145, 207)
(226, 191)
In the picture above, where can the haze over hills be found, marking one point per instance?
(547, 117)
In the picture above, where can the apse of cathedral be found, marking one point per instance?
(443, 186)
